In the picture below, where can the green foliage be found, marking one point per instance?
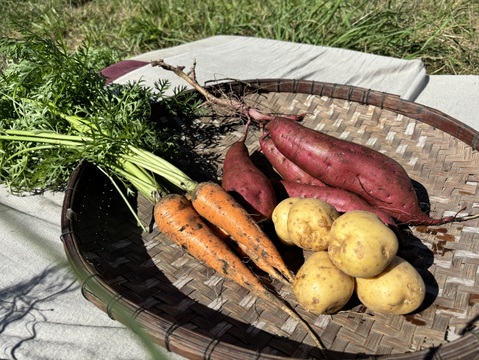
(62, 96)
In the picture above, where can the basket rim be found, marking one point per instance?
(173, 336)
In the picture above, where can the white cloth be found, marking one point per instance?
(251, 58)
(42, 312)
(454, 95)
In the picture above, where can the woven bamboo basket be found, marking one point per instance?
(188, 309)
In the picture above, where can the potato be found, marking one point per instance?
(398, 289)
(280, 219)
(309, 223)
(361, 244)
(320, 286)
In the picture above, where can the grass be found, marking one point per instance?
(443, 33)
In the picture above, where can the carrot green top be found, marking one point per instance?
(55, 110)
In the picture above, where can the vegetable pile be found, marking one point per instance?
(57, 111)
(347, 175)
(342, 201)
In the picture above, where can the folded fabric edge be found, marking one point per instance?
(123, 67)
(206, 43)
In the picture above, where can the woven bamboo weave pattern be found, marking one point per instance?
(190, 309)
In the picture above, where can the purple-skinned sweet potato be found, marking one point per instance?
(287, 169)
(342, 200)
(375, 177)
(248, 184)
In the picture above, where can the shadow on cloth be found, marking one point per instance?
(25, 305)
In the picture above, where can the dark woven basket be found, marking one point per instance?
(187, 308)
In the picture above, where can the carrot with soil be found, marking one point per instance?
(218, 207)
(178, 221)
(248, 185)
(237, 248)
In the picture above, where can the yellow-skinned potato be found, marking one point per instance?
(399, 289)
(320, 286)
(309, 223)
(280, 219)
(361, 244)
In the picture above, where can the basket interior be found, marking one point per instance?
(160, 278)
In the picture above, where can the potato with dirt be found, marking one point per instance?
(361, 245)
(321, 287)
(309, 223)
(280, 219)
(399, 289)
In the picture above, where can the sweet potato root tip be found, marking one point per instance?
(424, 219)
(218, 207)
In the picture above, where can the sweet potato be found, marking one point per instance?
(380, 180)
(287, 169)
(342, 200)
(375, 177)
(248, 185)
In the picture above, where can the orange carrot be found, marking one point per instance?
(233, 245)
(218, 207)
(178, 221)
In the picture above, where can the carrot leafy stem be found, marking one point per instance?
(55, 110)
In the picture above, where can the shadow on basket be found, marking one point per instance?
(167, 286)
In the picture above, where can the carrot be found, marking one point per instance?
(178, 221)
(261, 251)
(375, 177)
(218, 207)
(248, 185)
(287, 169)
(238, 249)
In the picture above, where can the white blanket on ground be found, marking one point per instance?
(250, 58)
(42, 312)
